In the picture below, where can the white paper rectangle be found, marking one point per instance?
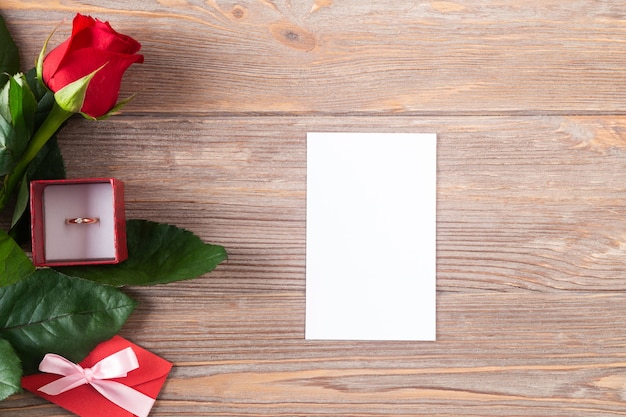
(371, 236)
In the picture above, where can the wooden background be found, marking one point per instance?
(528, 99)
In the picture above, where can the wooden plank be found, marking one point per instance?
(376, 57)
(530, 268)
(524, 203)
(498, 354)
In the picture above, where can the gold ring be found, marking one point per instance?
(82, 220)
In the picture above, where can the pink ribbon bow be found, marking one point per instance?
(115, 366)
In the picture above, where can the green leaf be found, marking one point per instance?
(10, 371)
(49, 312)
(22, 201)
(44, 97)
(22, 104)
(9, 54)
(157, 253)
(17, 113)
(8, 136)
(18, 103)
(14, 264)
(47, 165)
(37, 86)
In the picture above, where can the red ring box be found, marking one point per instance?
(78, 222)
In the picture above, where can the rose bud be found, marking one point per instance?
(85, 72)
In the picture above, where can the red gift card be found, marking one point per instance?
(86, 400)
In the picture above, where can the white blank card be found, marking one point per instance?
(371, 236)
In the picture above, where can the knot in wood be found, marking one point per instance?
(293, 36)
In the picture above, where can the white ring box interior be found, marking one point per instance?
(77, 222)
(65, 241)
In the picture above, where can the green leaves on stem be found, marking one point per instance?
(26, 106)
(48, 128)
(17, 119)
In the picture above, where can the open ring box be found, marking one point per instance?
(78, 222)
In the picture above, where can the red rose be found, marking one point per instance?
(93, 44)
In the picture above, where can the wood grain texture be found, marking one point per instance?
(392, 56)
(527, 99)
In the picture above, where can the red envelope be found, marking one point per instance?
(85, 401)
